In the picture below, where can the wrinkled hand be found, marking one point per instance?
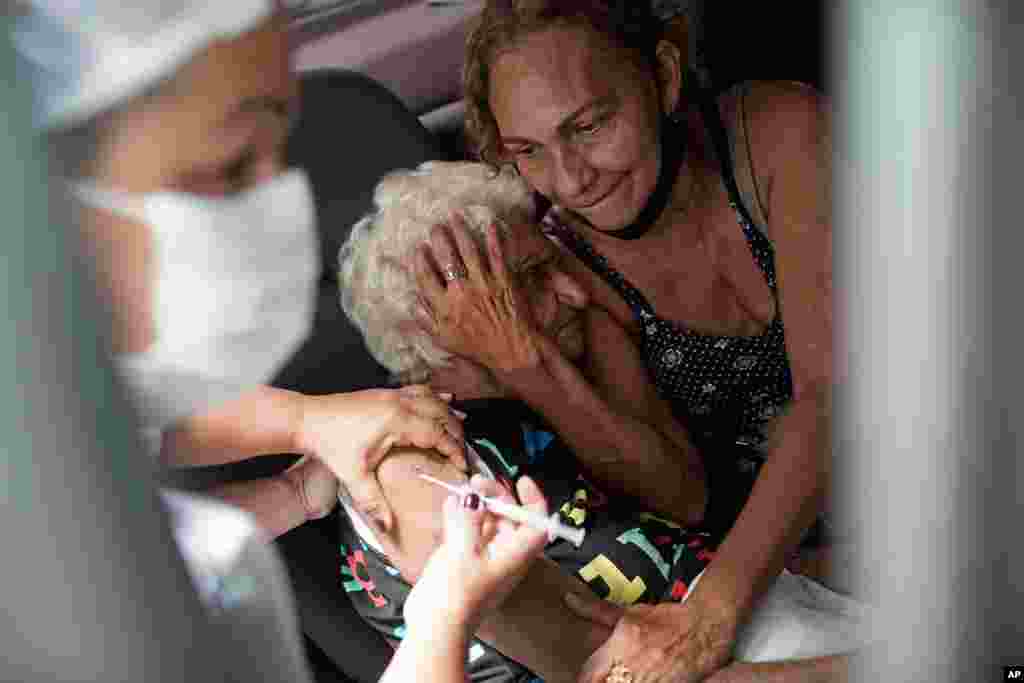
(481, 314)
(671, 642)
(314, 485)
(351, 433)
(482, 559)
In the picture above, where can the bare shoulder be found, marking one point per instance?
(778, 131)
(778, 118)
(788, 112)
(767, 103)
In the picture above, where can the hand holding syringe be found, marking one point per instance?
(555, 528)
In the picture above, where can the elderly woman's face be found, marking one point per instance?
(556, 300)
(580, 120)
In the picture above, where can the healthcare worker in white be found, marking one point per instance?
(167, 122)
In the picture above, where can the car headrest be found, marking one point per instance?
(351, 131)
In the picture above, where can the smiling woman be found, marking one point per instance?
(701, 225)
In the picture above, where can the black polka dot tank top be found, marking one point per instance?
(725, 390)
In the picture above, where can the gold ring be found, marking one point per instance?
(619, 673)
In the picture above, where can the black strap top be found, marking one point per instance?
(724, 389)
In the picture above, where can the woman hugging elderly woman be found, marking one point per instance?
(640, 507)
(680, 317)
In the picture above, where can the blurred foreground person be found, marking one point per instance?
(167, 125)
(171, 136)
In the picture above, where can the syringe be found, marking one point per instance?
(555, 528)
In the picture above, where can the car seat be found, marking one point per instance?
(351, 131)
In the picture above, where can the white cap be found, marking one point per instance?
(91, 55)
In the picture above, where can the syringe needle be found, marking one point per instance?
(517, 513)
(454, 489)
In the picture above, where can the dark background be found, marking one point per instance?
(765, 40)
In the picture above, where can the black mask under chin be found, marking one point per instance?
(673, 151)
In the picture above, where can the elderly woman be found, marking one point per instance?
(628, 555)
(701, 227)
(622, 432)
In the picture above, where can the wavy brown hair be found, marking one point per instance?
(627, 24)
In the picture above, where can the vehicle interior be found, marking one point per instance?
(380, 91)
(94, 587)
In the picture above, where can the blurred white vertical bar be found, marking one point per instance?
(927, 441)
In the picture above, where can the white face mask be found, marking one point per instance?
(234, 295)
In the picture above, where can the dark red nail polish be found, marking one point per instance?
(471, 501)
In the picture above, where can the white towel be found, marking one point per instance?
(799, 618)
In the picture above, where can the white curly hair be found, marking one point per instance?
(376, 276)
